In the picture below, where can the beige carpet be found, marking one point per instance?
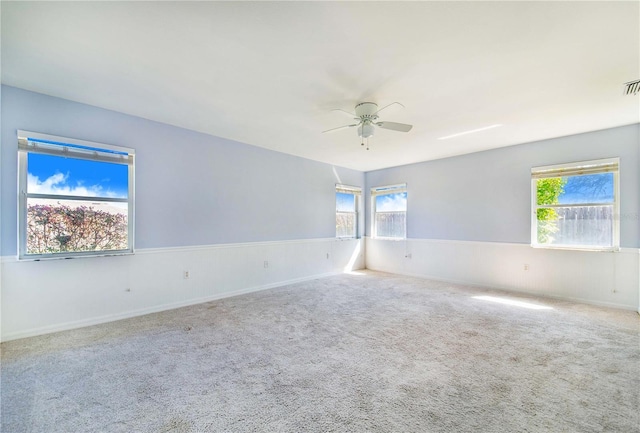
(350, 353)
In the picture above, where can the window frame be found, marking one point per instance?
(357, 193)
(386, 190)
(597, 166)
(38, 143)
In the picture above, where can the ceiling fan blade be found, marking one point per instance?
(402, 127)
(387, 106)
(345, 112)
(340, 127)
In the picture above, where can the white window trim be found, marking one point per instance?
(384, 190)
(113, 154)
(573, 169)
(357, 192)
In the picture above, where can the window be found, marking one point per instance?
(347, 205)
(75, 197)
(389, 205)
(576, 205)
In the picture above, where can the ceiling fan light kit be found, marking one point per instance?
(367, 115)
(365, 130)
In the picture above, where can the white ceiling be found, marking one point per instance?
(268, 73)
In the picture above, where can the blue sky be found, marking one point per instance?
(49, 174)
(345, 202)
(384, 203)
(396, 202)
(591, 188)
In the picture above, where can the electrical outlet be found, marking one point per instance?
(526, 266)
(408, 255)
(186, 275)
(266, 264)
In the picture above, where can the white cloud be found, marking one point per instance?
(392, 203)
(59, 184)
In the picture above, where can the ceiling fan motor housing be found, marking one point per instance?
(366, 109)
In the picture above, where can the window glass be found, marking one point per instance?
(59, 226)
(56, 175)
(75, 200)
(590, 188)
(576, 210)
(347, 202)
(396, 202)
(390, 211)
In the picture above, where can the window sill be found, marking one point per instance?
(36, 258)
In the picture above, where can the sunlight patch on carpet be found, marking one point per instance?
(513, 302)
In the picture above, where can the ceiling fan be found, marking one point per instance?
(367, 115)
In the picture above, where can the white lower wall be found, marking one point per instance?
(601, 278)
(39, 297)
(49, 296)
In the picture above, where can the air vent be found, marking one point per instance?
(632, 87)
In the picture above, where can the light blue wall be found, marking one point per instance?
(486, 196)
(197, 189)
(191, 188)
